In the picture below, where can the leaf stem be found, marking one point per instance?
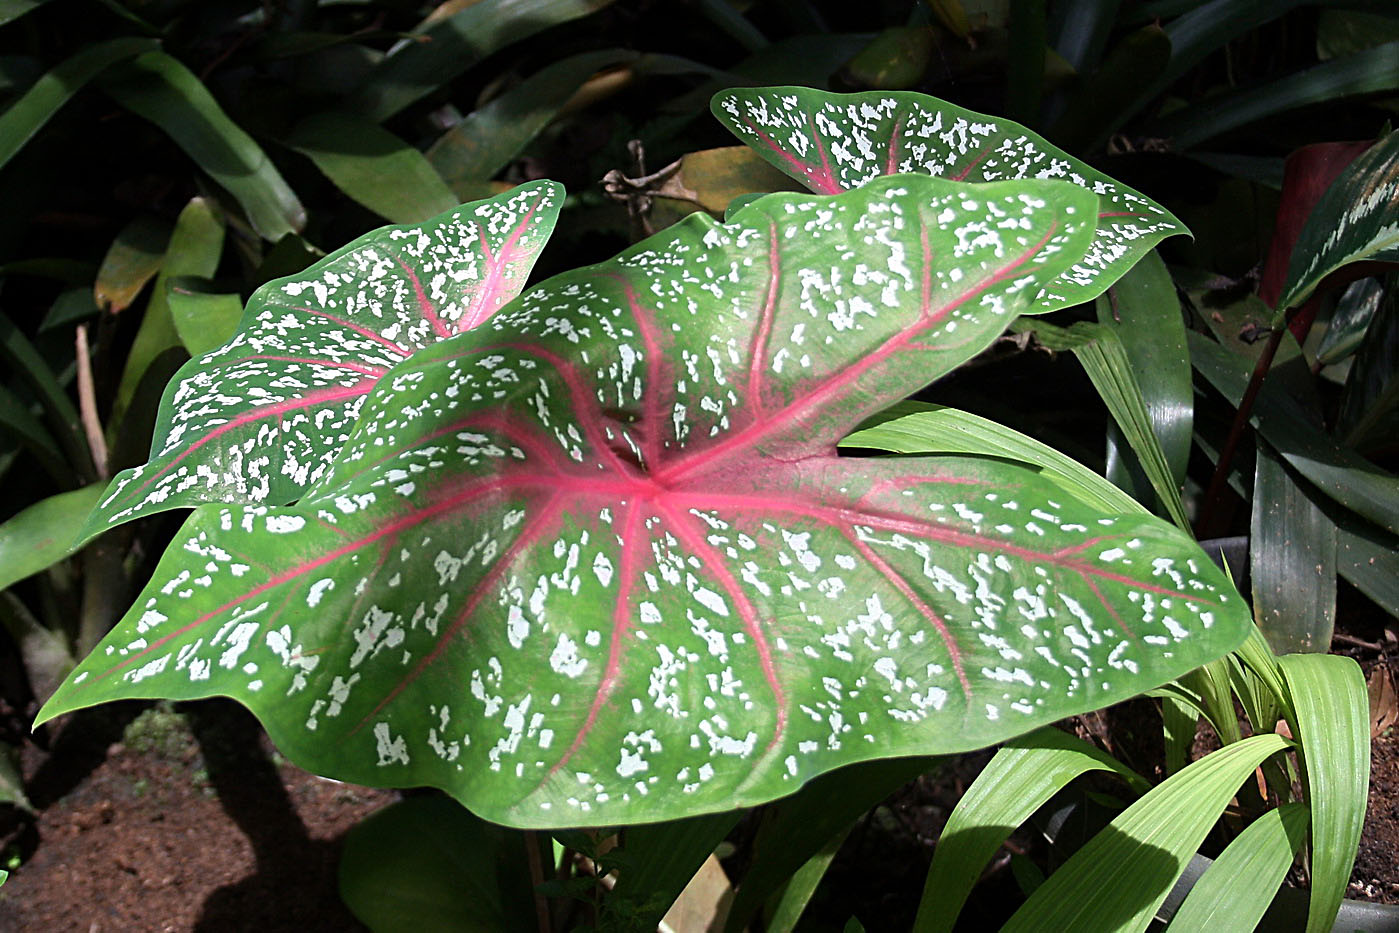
(1208, 525)
(536, 877)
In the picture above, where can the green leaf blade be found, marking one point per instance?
(597, 561)
(1117, 880)
(258, 419)
(837, 142)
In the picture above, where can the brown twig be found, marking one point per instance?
(1207, 527)
(536, 877)
(87, 406)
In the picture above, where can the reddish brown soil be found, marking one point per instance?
(186, 822)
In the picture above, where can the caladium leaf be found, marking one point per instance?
(836, 142)
(260, 418)
(599, 562)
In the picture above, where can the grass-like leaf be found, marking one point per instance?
(1023, 775)
(1233, 893)
(1119, 878)
(1332, 724)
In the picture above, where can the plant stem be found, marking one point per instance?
(536, 877)
(1208, 525)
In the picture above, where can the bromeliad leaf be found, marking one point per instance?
(1356, 219)
(598, 561)
(836, 142)
(260, 418)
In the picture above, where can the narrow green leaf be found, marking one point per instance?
(448, 47)
(11, 10)
(922, 428)
(1105, 360)
(1117, 880)
(1292, 558)
(426, 863)
(482, 144)
(1354, 311)
(196, 244)
(23, 427)
(1212, 683)
(1341, 32)
(132, 260)
(786, 908)
(43, 533)
(1024, 774)
(1255, 654)
(1357, 218)
(1144, 311)
(1095, 111)
(71, 307)
(1340, 473)
(1368, 559)
(204, 319)
(726, 16)
(1332, 726)
(24, 361)
(1365, 72)
(1369, 415)
(1178, 724)
(1236, 890)
(661, 858)
(161, 89)
(1081, 31)
(1200, 29)
(12, 780)
(373, 166)
(798, 828)
(27, 116)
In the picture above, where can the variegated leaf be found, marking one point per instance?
(260, 418)
(1356, 219)
(598, 561)
(836, 142)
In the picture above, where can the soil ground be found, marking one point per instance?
(184, 818)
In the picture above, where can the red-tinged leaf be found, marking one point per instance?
(260, 418)
(598, 561)
(836, 142)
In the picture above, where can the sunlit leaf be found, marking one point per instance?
(1262, 854)
(195, 248)
(1333, 726)
(1117, 880)
(132, 260)
(835, 142)
(259, 419)
(1017, 782)
(43, 533)
(597, 560)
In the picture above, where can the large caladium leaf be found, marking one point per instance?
(836, 142)
(598, 561)
(260, 418)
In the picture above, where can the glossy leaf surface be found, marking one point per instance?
(597, 561)
(1356, 219)
(835, 142)
(260, 418)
